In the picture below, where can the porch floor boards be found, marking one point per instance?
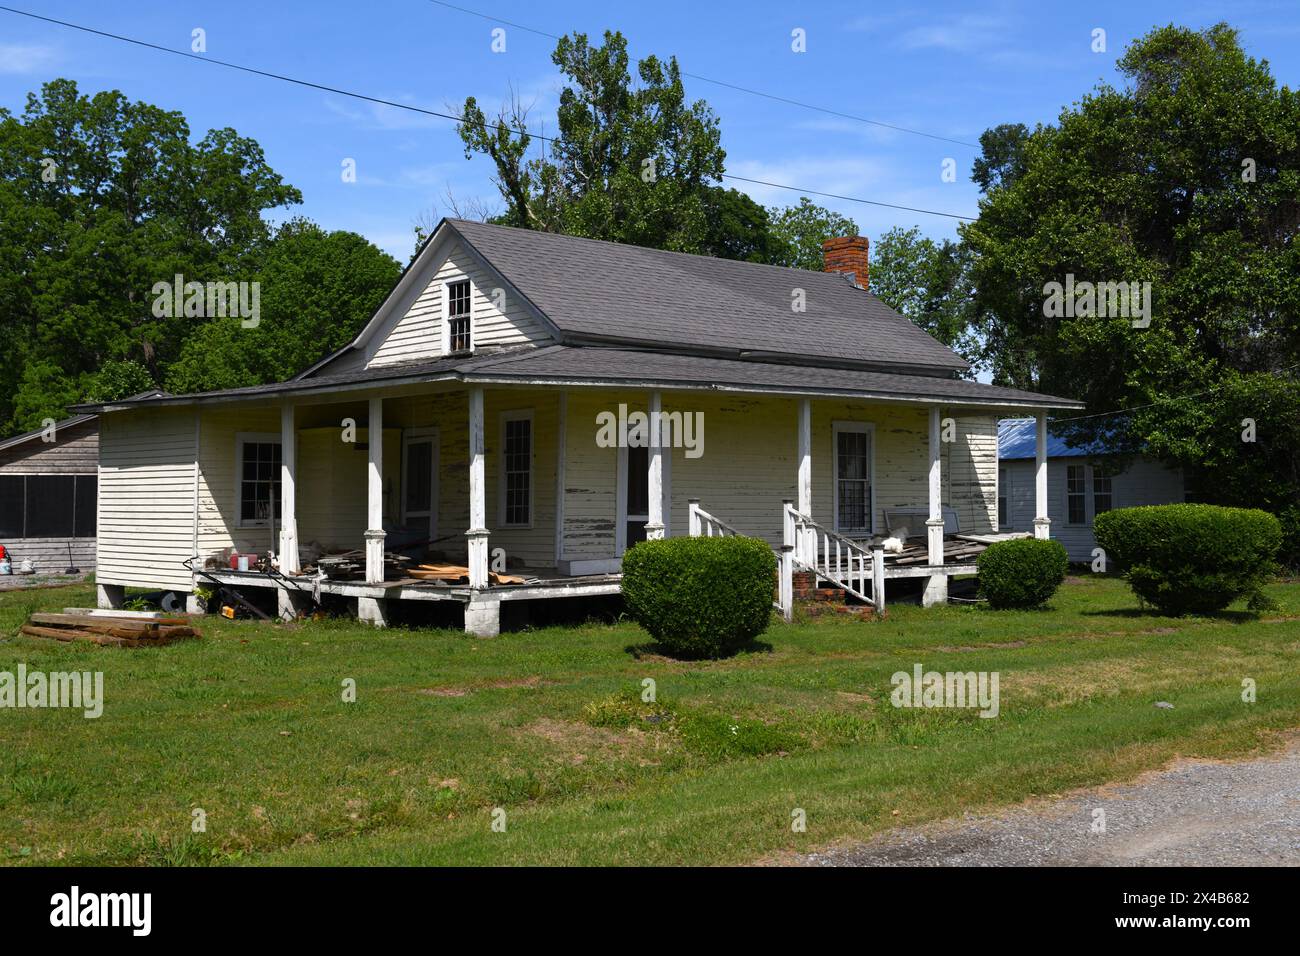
(541, 583)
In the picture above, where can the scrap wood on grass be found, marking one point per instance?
(110, 630)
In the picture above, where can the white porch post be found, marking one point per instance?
(785, 584)
(806, 546)
(288, 493)
(477, 533)
(936, 588)
(1042, 523)
(693, 517)
(375, 493)
(654, 528)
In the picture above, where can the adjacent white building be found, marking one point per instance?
(1082, 482)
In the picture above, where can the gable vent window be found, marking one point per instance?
(458, 316)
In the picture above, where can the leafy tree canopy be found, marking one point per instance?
(1187, 177)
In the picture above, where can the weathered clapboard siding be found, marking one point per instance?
(417, 333)
(331, 486)
(74, 451)
(970, 465)
(590, 476)
(748, 466)
(146, 497)
(217, 525)
(1143, 482)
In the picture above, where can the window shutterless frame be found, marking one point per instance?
(242, 441)
(457, 315)
(869, 430)
(510, 475)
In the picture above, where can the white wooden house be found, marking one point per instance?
(469, 413)
(1083, 482)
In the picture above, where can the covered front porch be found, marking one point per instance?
(515, 479)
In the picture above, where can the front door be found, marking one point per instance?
(420, 480)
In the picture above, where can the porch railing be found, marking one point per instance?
(705, 525)
(813, 548)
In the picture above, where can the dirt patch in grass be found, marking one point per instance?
(965, 648)
(577, 742)
(489, 685)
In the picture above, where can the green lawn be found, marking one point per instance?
(249, 725)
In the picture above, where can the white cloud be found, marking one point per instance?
(26, 57)
(964, 34)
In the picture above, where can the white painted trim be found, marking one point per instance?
(445, 343)
(655, 469)
(198, 423)
(516, 415)
(561, 444)
(841, 425)
(287, 545)
(805, 498)
(241, 438)
(411, 436)
(620, 502)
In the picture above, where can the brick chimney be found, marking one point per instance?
(847, 254)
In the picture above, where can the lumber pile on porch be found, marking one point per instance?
(112, 630)
(955, 551)
(455, 573)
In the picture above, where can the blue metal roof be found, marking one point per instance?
(1016, 439)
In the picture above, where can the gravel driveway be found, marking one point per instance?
(1194, 814)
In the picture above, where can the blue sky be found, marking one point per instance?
(951, 69)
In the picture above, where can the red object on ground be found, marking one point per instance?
(234, 561)
(2, 552)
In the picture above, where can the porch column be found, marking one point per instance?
(1042, 523)
(477, 534)
(288, 492)
(806, 547)
(375, 493)
(936, 588)
(654, 528)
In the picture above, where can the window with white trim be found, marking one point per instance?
(459, 307)
(1076, 505)
(1004, 508)
(517, 469)
(259, 480)
(1103, 489)
(853, 499)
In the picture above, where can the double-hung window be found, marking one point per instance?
(459, 325)
(259, 480)
(517, 469)
(1076, 507)
(853, 499)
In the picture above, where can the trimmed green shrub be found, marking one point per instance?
(1021, 573)
(700, 597)
(1190, 559)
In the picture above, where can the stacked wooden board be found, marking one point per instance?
(454, 573)
(126, 629)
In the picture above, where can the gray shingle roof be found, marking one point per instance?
(590, 288)
(562, 364)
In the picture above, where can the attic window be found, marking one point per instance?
(458, 316)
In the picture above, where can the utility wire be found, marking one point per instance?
(731, 86)
(428, 112)
(1171, 398)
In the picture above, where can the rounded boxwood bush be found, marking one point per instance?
(1190, 559)
(700, 597)
(1024, 572)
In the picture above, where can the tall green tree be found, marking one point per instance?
(930, 283)
(101, 198)
(632, 160)
(1188, 177)
(799, 231)
(318, 289)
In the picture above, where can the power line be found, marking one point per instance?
(1170, 398)
(731, 86)
(427, 112)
